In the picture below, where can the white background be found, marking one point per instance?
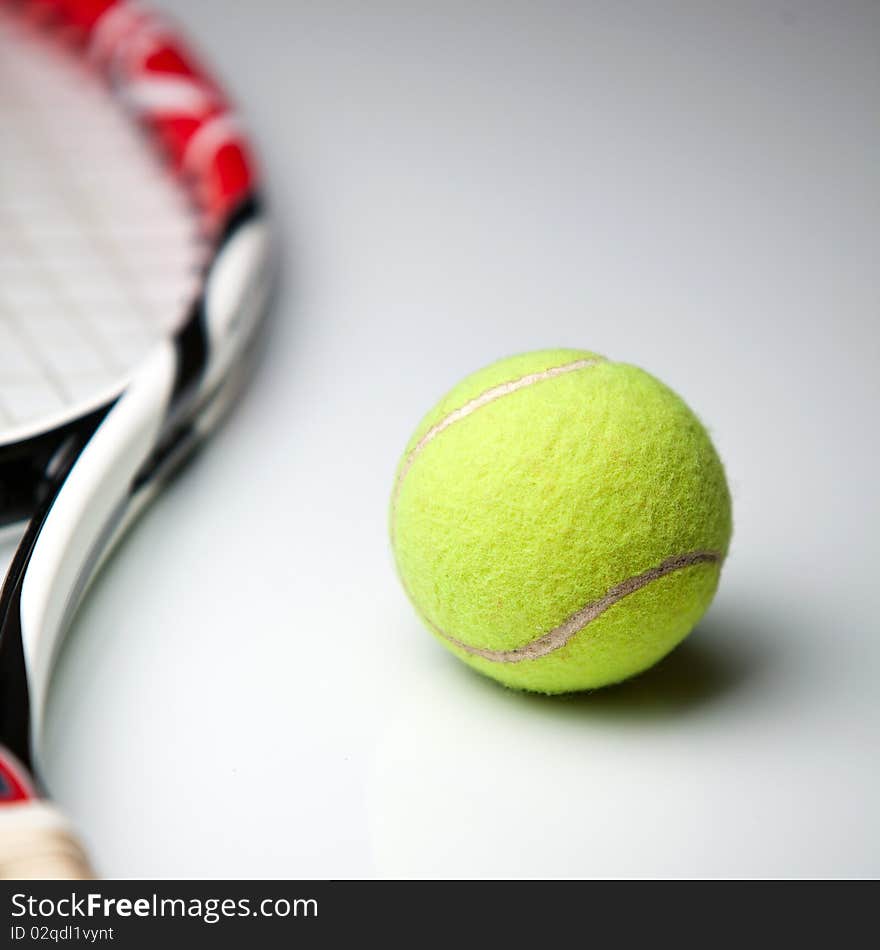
(691, 187)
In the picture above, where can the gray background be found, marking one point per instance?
(691, 187)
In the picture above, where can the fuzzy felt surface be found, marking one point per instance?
(532, 495)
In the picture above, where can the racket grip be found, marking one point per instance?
(37, 843)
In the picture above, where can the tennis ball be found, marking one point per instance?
(559, 521)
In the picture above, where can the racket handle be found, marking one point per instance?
(37, 843)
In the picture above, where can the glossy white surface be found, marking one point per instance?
(97, 485)
(692, 187)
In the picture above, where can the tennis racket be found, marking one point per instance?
(134, 275)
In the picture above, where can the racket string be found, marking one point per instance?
(99, 251)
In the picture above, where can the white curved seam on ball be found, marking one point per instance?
(489, 396)
(559, 636)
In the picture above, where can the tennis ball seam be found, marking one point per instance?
(560, 635)
(484, 399)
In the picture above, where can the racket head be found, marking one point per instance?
(140, 264)
(100, 249)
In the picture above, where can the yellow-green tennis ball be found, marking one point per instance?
(559, 520)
